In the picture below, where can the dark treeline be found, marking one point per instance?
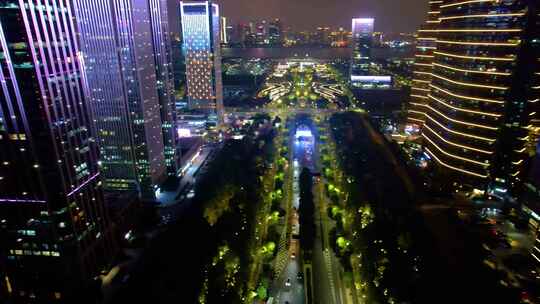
(208, 250)
(379, 221)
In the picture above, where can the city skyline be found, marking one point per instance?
(257, 152)
(307, 15)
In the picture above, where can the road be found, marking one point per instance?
(328, 286)
(171, 206)
(294, 294)
(327, 275)
(167, 198)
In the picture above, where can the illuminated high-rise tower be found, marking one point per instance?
(223, 31)
(107, 98)
(201, 34)
(53, 224)
(481, 118)
(362, 40)
(127, 79)
(165, 80)
(137, 59)
(423, 65)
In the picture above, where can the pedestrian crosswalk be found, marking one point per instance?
(282, 255)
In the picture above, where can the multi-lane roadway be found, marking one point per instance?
(328, 287)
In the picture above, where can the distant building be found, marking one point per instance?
(250, 36)
(251, 27)
(361, 74)
(378, 39)
(230, 32)
(242, 32)
(362, 39)
(223, 34)
(201, 46)
(339, 38)
(322, 36)
(262, 32)
(361, 44)
(275, 33)
(54, 227)
(303, 37)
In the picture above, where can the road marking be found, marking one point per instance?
(328, 264)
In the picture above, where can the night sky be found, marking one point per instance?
(391, 15)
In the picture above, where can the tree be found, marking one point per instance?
(306, 212)
(218, 205)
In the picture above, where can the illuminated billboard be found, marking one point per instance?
(184, 132)
(371, 79)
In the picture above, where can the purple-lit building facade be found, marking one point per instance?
(362, 40)
(107, 97)
(361, 75)
(128, 77)
(159, 17)
(134, 38)
(53, 222)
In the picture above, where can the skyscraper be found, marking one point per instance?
(322, 36)
(232, 36)
(275, 32)
(107, 98)
(339, 38)
(262, 32)
(482, 114)
(134, 38)
(250, 37)
(362, 32)
(175, 34)
(53, 223)
(163, 57)
(223, 31)
(242, 33)
(426, 44)
(200, 28)
(123, 51)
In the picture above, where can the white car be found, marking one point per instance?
(288, 283)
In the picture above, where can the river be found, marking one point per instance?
(313, 52)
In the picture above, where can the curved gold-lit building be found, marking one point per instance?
(481, 106)
(423, 64)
